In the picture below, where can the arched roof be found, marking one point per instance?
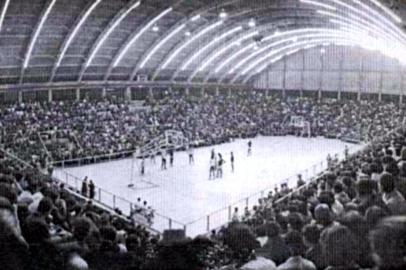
(202, 41)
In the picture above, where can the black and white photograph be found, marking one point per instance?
(202, 135)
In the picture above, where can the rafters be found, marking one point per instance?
(3, 13)
(114, 23)
(132, 40)
(37, 30)
(191, 47)
(72, 34)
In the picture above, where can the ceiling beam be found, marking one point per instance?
(108, 84)
(91, 6)
(112, 25)
(133, 38)
(49, 4)
(170, 33)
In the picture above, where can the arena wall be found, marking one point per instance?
(335, 69)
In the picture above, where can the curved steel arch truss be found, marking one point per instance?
(201, 41)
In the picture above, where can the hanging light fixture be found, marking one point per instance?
(223, 14)
(252, 23)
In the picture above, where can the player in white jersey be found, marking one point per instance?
(190, 152)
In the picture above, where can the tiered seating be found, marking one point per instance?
(352, 217)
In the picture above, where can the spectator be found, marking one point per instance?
(314, 252)
(338, 248)
(236, 215)
(388, 243)
(373, 215)
(391, 196)
(323, 216)
(91, 190)
(275, 248)
(356, 223)
(43, 252)
(85, 188)
(297, 249)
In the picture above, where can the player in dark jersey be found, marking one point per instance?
(249, 148)
(171, 153)
(232, 161)
(220, 163)
(163, 161)
(142, 166)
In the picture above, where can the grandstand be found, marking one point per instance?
(197, 135)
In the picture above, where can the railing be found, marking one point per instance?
(202, 225)
(91, 159)
(106, 199)
(110, 200)
(221, 217)
(224, 215)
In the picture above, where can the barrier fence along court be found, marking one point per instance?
(161, 222)
(204, 224)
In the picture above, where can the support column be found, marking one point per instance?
(202, 91)
(284, 78)
(77, 94)
(340, 75)
(361, 79)
(302, 79)
(49, 95)
(402, 84)
(150, 92)
(20, 96)
(217, 91)
(104, 92)
(380, 87)
(187, 91)
(127, 94)
(321, 76)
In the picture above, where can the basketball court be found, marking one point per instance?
(185, 193)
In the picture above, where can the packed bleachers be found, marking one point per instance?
(69, 130)
(351, 217)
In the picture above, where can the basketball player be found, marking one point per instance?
(329, 161)
(220, 166)
(152, 158)
(171, 153)
(213, 164)
(163, 161)
(249, 148)
(232, 161)
(191, 155)
(346, 152)
(142, 166)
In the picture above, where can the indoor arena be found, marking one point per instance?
(202, 134)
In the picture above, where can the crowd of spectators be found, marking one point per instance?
(44, 225)
(351, 217)
(70, 130)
